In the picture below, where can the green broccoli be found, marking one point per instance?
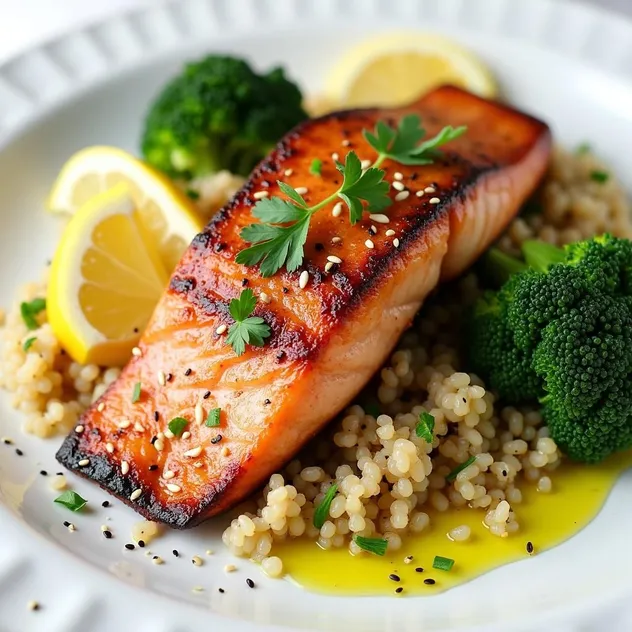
(219, 114)
(560, 331)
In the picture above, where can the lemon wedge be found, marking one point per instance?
(394, 69)
(105, 279)
(167, 213)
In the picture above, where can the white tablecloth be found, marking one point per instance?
(27, 22)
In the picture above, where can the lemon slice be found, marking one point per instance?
(167, 213)
(105, 280)
(394, 69)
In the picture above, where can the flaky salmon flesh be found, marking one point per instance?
(327, 339)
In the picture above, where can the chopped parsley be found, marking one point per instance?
(459, 468)
(425, 426)
(213, 417)
(177, 425)
(28, 343)
(71, 500)
(316, 168)
(193, 194)
(442, 563)
(247, 329)
(136, 392)
(599, 176)
(322, 511)
(377, 546)
(30, 310)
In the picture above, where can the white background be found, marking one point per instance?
(27, 22)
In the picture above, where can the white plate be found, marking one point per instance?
(570, 64)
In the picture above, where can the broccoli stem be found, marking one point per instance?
(499, 267)
(540, 255)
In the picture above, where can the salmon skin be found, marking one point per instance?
(327, 339)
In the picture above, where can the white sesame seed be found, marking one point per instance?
(346, 143)
(230, 568)
(159, 445)
(336, 240)
(334, 259)
(419, 194)
(398, 176)
(390, 232)
(434, 200)
(221, 329)
(264, 298)
(379, 218)
(186, 435)
(288, 172)
(194, 452)
(408, 559)
(104, 528)
(83, 462)
(101, 407)
(109, 447)
(429, 189)
(259, 195)
(337, 210)
(124, 468)
(303, 280)
(396, 242)
(369, 244)
(169, 434)
(123, 424)
(209, 551)
(138, 427)
(398, 186)
(79, 429)
(71, 527)
(157, 560)
(168, 475)
(197, 589)
(172, 487)
(373, 229)
(402, 195)
(197, 560)
(136, 494)
(32, 605)
(198, 464)
(137, 352)
(199, 413)
(301, 190)
(161, 378)
(160, 435)
(365, 164)
(335, 156)
(225, 451)
(7, 441)
(328, 266)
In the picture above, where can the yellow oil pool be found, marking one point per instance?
(579, 491)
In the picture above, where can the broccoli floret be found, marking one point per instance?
(560, 332)
(219, 114)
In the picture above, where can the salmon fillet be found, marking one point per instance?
(327, 339)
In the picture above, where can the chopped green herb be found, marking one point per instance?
(316, 168)
(442, 563)
(599, 176)
(177, 425)
(322, 511)
(193, 194)
(28, 343)
(136, 392)
(213, 417)
(425, 426)
(459, 468)
(71, 500)
(30, 310)
(584, 148)
(246, 329)
(376, 546)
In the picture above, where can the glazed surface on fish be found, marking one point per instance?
(328, 338)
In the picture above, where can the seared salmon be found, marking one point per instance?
(327, 339)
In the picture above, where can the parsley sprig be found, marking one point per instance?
(279, 239)
(247, 329)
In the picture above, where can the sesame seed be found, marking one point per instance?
(529, 548)
(429, 189)
(105, 504)
(33, 605)
(398, 186)
(221, 329)
(194, 452)
(393, 577)
(160, 435)
(7, 441)
(335, 156)
(336, 240)
(153, 467)
(372, 230)
(124, 468)
(301, 190)
(225, 451)
(159, 445)
(168, 475)
(186, 435)
(209, 551)
(79, 429)
(83, 462)
(136, 494)
(206, 395)
(137, 352)
(402, 195)
(141, 543)
(398, 176)
(169, 434)
(337, 210)
(369, 244)
(175, 553)
(169, 377)
(130, 547)
(138, 427)
(390, 232)
(230, 568)
(199, 413)
(346, 143)
(379, 218)
(303, 279)
(365, 164)
(157, 560)
(396, 242)
(197, 589)
(43, 472)
(161, 378)
(399, 590)
(434, 200)
(328, 266)
(259, 195)
(101, 407)
(419, 570)
(172, 487)
(19, 452)
(198, 464)
(429, 581)
(288, 172)
(408, 559)
(188, 371)
(197, 560)
(107, 534)
(264, 298)
(216, 439)
(123, 424)
(419, 194)
(250, 583)
(71, 527)
(109, 447)
(334, 259)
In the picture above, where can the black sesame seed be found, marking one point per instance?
(216, 439)
(155, 557)
(221, 590)
(280, 355)
(141, 543)
(267, 402)
(414, 176)
(6, 441)
(394, 578)
(156, 415)
(105, 503)
(153, 467)
(66, 523)
(59, 474)
(107, 535)
(43, 472)
(372, 231)
(244, 282)
(250, 583)
(429, 581)
(154, 439)
(130, 547)
(319, 247)
(188, 371)
(135, 330)
(419, 570)
(399, 589)
(175, 553)
(529, 547)
(285, 290)
(207, 395)
(169, 377)
(504, 472)
(19, 452)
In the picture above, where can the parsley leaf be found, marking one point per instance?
(136, 392)
(177, 425)
(599, 176)
(322, 511)
(377, 546)
(30, 310)
(316, 168)
(277, 211)
(246, 329)
(71, 500)
(425, 426)
(28, 343)
(213, 418)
